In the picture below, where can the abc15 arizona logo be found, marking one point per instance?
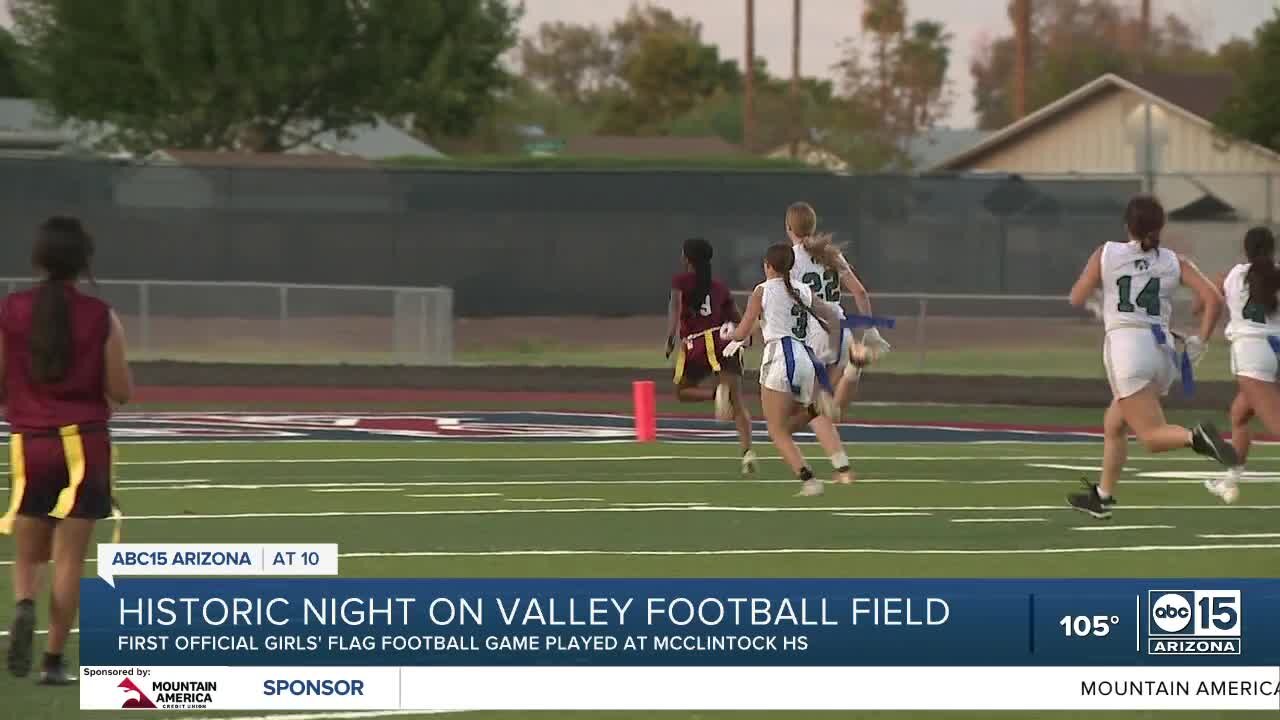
(1193, 622)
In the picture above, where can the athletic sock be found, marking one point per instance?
(1235, 474)
(1103, 494)
(840, 461)
(52, 661)
(806, 474)
(26, 604)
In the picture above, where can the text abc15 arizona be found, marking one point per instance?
(1194, 622)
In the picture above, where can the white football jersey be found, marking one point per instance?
(1138, 285)
(1244, 320)
(820, 280)
(780, 316)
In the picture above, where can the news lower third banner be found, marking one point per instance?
(305, 643)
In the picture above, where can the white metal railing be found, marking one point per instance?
(922, 300)
(286, 322)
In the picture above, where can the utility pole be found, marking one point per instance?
(797, 115)
(748, 89)
(1022, 61)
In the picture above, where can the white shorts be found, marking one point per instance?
(1134, 361)
(826, 354)
(787, 367)
(1252, 357)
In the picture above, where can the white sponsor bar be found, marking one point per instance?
(691, 688)
(218, 559)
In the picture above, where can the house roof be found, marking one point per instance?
(378, 141)
(1198, 97)
(206, 158)
(666, 146)
(937, 144)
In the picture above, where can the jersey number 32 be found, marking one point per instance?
(1148, 298)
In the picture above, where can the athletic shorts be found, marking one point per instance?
(703, 355)
(827, 354)
(60, 473)
(1134, 360)
(1253, 357)
(788, 366)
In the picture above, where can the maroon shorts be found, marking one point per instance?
(60, 473)
(703, 355)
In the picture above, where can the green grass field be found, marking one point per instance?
(468, 509)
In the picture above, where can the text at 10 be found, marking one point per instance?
(1086, 625)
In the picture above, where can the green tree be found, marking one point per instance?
(650, 68)
(11, 75)
(268, 75)
(572, 62)
(1253, 113)
(898, 89)
(1072, 43)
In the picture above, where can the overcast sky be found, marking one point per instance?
(827, 22)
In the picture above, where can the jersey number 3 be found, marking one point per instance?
(1148, 299)
(801, 328)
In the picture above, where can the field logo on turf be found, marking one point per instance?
(1193, 622)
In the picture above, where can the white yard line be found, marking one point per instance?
(1105, 528)
(883, 514)
(454, 495)
(555, 500)
(1243, 536)
(819, 551)
(379, 489)
(330, 715)
(669, 508)
(660, 504)
(999, 520)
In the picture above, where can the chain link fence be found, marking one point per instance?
(279, 323)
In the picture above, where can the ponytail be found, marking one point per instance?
(795, 297)
(63, 250)
(698, 252)
(822, 248)
(1150, 241)
(1144, 217)
(50, 333)
(1263, 277)
(782, 258)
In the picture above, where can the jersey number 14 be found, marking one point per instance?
(1148, 299)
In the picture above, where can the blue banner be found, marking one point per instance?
(657, 622)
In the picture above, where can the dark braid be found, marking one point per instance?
(782, 258)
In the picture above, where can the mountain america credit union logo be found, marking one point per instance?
(1193, 622)
(138, 699)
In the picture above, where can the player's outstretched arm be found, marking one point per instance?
(853, 285)
(749, 318)
(1090, 279)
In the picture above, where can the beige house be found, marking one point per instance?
(1213, 186)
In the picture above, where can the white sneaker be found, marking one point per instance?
(1225, 489)
(749, 462)
(811, 488)
(724, 407)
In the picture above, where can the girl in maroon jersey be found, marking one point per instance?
(63, 363)
(699, 307)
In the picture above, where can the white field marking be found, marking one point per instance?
(883, 514)
(454, 495)
(659, 504)
(1232, 536)
(397, 488)
(675, 477)
(998, 520)
(1104, 528)
(555, 500)
(575, 458)
(359, 715)
(5, 633)
(668, 508)
(817, 551)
